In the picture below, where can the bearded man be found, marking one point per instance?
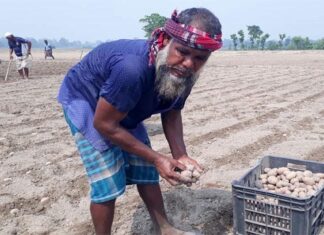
(119, 84)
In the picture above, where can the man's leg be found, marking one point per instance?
(102, 216)
(152, 197)
(26, 70)
(21, 73)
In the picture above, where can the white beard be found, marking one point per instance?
(168, 85)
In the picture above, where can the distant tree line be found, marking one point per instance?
(257, 40)
(61, 43)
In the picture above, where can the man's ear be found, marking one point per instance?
(166, 40)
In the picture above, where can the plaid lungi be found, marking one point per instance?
(110, 171)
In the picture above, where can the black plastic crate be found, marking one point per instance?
(285, 215)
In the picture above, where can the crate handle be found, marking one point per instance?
(296, 167)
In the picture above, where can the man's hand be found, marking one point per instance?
(186, 160)
(166, 167)
(11, 57)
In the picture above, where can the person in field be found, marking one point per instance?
(114, 88)
(22, 61)
(48, 50)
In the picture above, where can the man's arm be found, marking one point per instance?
(10, 53)
(173, 130)
(29, 44)
(107, 122)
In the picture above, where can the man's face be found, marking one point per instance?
(10, 38)
(177, 68)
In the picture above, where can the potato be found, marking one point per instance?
(308, 180)
(195, 174)
(301, 194)
(287, 192)
(299, 174)
(292, 187)
(279, 184)
(308, 173)
(281, 170)
(272, 172)
(291, 175)
(293, 180)
(316, 178)
(278, 190)
(272, 180)
(186, 174)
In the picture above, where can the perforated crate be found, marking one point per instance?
(285, 215)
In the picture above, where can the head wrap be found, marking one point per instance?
(186, 34)
(8, 34)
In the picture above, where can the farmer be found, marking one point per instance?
(22, 61)
(48, 50)
(119, 84)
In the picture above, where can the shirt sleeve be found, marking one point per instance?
(123, 87)
(21, 40)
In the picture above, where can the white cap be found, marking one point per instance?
(8, 34)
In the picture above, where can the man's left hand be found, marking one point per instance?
(186, 160)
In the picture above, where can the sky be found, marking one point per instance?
(92, 20)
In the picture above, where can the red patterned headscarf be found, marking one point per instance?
(185, 34)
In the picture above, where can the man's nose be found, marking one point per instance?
(188, 62)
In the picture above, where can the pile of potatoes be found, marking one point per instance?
(299, 184)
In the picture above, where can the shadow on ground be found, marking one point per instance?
(154, 129)
(206, 211)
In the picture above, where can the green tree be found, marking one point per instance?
(255, 32)
(300, 43)
(241, 38)
(263, 40)
(319, 44)
(152, 22)
(281, 38)
(234, 38)
(272, 45)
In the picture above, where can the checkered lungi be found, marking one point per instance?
(110, 171)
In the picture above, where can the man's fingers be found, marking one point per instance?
(172, 182)
(199, 168)
(179, 165)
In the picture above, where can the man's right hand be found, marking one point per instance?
(11, 57)
(166, 167)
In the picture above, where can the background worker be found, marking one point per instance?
(48, 50)
(22, 62)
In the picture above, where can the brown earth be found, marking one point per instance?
(246, 105)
